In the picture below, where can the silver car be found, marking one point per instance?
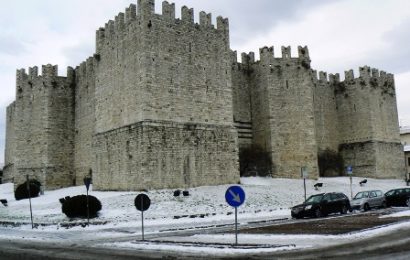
(366, 200)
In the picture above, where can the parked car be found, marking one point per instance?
(398, 197)
(366, 200)
(320, 205)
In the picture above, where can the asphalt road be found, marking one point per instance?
(387, 246)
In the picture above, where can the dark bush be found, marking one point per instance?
(76, 207)
(4, 202)
(22, 192)
(185, 193)
(254, 161)
(177, 193)
(331, 163)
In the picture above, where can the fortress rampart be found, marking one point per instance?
(164, 103)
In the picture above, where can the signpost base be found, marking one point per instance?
(29, 198)
(236, 226)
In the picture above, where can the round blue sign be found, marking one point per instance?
(235, 196)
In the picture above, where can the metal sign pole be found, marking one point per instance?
(88, 211)
(142, 218)
(236, 226)
(303, 174)
(351, 187)
(29, 198)
(304, 186)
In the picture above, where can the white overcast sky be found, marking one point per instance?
(341, 34)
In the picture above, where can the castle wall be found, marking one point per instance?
(361, 156)
(84, 120)
(10, 148)
(326, 123)
(44, 112)
(241, 98)
(283, 99)
(368, 119)
(157, 155)
(354, 110)
(389, 161)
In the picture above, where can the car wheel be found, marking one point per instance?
(343, 210)
(318, 213)
(384, 205)
(408, 202)
(366, 207)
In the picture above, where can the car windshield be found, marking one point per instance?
(361, 195)
(314, 198)
(390, 192)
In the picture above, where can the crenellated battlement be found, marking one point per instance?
(286, 52)
(21, 75)
(145, 11)
(33, 72)
(205, 19)
(267, 53)
(303, 52)
(334, 78)
(130, 13)
(222, 24)
(47, 72)
(234, 57)
(187, 14)
(367, 76)
(86, 67)
(168, 11)
(119, 22)
(26, 83)
(146, 8)
(366, 73)
(248, 58)
(324, 77)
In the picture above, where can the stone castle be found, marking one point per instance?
(164, 103)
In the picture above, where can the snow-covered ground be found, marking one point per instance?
(276, 242)
(266, 199)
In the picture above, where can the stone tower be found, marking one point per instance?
(40, 135)
(163, 114)
(281, 111)
(369, 127)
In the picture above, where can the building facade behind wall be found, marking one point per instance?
(164, 103)
(405, 140)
